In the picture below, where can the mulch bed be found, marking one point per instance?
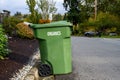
(22, 50)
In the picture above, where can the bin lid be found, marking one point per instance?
(52, 24)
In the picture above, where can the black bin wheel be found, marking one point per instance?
(44, 70)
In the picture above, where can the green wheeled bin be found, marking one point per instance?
(55, 47)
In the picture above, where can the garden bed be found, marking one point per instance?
(22, 50)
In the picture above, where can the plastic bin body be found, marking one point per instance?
(55, 46)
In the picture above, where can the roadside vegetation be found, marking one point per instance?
(102, 16)
(3, 44)
(110, 36)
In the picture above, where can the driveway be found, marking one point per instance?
(94, 59)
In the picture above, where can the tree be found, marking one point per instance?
(18, 15)
(57, 17)
(34, 17)
(73, 14)
(109, 6)
(46, 7)
(79, 11)
(115, 7)
(87, 9)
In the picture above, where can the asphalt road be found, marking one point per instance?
(94, 59)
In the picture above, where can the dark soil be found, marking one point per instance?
(22, 50)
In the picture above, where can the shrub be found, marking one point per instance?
(3, 44)
(107, 21)
(9, 24)
(104, 23)
(24, 31)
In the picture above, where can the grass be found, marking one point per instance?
(110, 36)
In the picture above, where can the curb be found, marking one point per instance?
(33, 74)
(30, 71)
(24, 71)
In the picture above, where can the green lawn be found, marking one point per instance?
(110, 36)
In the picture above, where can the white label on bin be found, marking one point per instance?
(56, 33)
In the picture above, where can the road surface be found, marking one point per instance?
(94, 59)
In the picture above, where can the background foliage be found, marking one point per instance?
(107, 20)
(9, 24)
